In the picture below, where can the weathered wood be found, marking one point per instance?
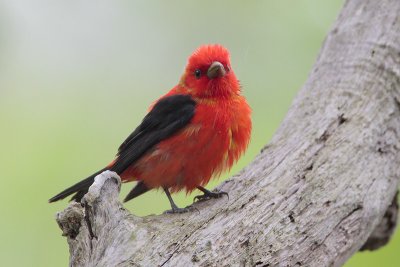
(314, 194)
(385, 229)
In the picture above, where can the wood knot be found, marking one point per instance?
(70, 220)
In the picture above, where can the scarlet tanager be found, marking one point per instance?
(193, 133)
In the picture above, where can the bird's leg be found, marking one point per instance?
(208, 194)
(174, 207)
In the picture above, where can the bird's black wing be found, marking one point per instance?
(168, 116)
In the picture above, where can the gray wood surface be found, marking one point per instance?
(314, 194)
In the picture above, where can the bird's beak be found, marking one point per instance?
(216, 70)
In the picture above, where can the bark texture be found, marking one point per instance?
(314, 194)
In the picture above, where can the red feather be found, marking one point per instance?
(212, 142)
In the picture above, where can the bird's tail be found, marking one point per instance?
(80, 188)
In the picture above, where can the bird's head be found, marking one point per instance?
(209, 73)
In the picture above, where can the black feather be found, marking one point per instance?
(81, 188)
(169, 115)
(139, 189)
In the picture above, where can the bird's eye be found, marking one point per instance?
(197, 73)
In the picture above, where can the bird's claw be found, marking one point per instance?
(209, 195)
(176, 210)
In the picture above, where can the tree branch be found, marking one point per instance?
(312, 197)
(385, 229)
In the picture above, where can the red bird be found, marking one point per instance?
(194, 132)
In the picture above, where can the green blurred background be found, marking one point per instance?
(77, 76)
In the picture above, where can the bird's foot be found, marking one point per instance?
(176, 210)
(209, 195)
